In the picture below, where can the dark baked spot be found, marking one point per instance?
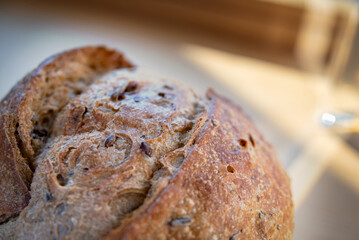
(120, 94)
(179, 221)
(261, 215)
(45, 120)
(234, 236)
(242, 142)
(21, 146)
(252, 140)
(230, 169)
(71, 173)
(77, 91)
(86, 169)
(48, 196)
(161, 94)
(167, 87)
(39, 133)
(117, 95)
(149, 116)
(5, 218)
(93, 66)
(110, 140)
(131, 87)
(61, 179)
(215, 122)
(260, 225)
(145, 149)
(258, 198)
(60, 208)
(163, 103)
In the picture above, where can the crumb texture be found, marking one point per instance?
(99, 150)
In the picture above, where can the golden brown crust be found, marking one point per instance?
(123, 155)
(17, 110)
(230, 186)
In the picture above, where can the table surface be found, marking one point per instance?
(285, 103)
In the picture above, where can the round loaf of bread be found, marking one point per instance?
(93, 148)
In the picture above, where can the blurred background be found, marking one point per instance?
(293, 65)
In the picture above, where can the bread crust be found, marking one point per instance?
(224, 190)
(16, 112)
(125, 155)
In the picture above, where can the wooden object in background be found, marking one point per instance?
(313, 35)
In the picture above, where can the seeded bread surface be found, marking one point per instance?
(96, 149)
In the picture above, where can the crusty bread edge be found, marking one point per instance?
(14, 109)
